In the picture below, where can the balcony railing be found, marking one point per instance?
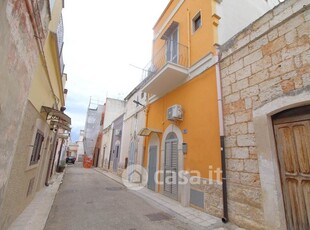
(60, 43)
(174, 53)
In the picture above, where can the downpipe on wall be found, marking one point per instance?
(222, 137)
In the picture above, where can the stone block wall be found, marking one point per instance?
(213, 199)
(267, 60)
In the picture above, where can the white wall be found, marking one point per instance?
(134, 121)
(113, 109)
(105, 146)
(238, 14)
(80, 150)
(127, 137)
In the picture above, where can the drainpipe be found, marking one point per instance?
(146, 109)
(188, 39)
(222, 136)
(136, 153)
(111, 146)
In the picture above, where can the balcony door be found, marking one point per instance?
(172, 46)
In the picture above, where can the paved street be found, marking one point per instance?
(89, 200)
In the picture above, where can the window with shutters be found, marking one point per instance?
(35, 156)
(171, 166)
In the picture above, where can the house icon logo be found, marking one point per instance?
(135, 177)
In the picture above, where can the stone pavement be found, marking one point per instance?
(187, 214)
(35, 215)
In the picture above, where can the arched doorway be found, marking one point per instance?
(151, 182)
(171, 166)
(116, 153)
(153, 162)
(292, 136)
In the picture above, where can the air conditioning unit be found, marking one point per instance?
(175, 113)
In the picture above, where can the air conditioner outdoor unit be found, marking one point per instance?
(175, 113)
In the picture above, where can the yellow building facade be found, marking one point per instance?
(49, 90)
(182, 120)
(184, 133)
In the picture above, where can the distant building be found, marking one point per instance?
(97, 149)
(114, 108)
(72, 149)
(80, 142)
(92, 125)
(134, 121)
(116, 144)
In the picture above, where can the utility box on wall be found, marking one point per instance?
(175, 113)
(184, 148)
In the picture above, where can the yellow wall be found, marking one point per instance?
(202, 41)
(40, 90)
(198, 99)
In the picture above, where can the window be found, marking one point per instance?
(35, 156)
(196, 22)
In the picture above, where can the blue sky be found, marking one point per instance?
(103, 39)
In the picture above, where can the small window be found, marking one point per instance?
(142, 95)
(196, 22)
(35, 156)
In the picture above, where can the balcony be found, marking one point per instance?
(60, 43)
(167, 70)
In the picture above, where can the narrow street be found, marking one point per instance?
(89, 200)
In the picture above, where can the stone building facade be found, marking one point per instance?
(265, 70)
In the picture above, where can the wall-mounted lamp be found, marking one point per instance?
(138, 103)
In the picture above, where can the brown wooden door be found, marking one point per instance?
(292, 134)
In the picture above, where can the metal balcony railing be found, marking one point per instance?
(175, 53)
(60, 43)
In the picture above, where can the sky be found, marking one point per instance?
(103, 41)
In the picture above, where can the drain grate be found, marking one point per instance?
(158, 216)
(114, 188)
